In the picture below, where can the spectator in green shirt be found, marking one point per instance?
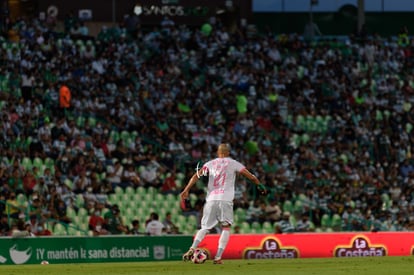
(113, 221)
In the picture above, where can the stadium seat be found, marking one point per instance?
(386, 201)
(114, 136)
(102, 176)
(125, 198)
(79, 201)
(68, 182)
(289, 121)
(292, 220)
(295, 140)
(240, 215)
(312, 226)
(129, 212)
(159, 197)
(128, 142)
(2, 104)
(118, 190)
(287, 206)
(148, 198)
(152, 190)
(84, 227)
(130, 192)
(300, 122)
(59, 230)
(133, 135)
(245, 228)
(298, 207)
(70, 212)
(180, 176)
(82, 212)
(72, 231)
(256, 226)
(304, 138)
(164, 204)
(301, 72)
(125, 135)
(311, 124)
(179, 183)
(130, 204)
(325, 221)
(180, 220)
(336, 222)
(80, 121)
(92, 121)
(175, 212)
(6, 161)
(76, 220)
(192, 219)
(267, 227)
(141, 212)
(22, 200)
(37, 162)
(171, 197)
(26, 163)
(137, 197)
(140, 190)
(113, 198)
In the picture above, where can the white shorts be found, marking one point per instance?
(217, 212)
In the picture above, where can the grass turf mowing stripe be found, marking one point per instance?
(321, 266)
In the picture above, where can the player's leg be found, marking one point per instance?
(226, 220)
(208, 221)
(222, 243)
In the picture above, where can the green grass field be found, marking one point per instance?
(355, 266)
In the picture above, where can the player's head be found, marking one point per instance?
(223, 150)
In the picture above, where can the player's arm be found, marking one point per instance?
(247, 174)
(184, 195)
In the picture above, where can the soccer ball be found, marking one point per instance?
(199, 256)
(44, 262)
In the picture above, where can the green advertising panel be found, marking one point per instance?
(92, 249)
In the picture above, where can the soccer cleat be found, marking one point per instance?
(217, 261)
(187, 256)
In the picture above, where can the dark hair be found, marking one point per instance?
(115, 209)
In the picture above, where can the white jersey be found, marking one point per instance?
(154, 228)
(221, 178)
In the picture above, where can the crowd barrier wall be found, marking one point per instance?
(59, 250)
(171, 248)
(313, 245)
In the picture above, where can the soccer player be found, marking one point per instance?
(218, 208)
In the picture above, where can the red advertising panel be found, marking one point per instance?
(313, 245)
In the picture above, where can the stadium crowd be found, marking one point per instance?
(326, 124)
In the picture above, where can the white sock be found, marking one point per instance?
(224, 239)
(199, 237)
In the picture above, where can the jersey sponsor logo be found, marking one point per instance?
(201, 172)
(217, 169)
(217, 191)
(360, 247)
(271, 248)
